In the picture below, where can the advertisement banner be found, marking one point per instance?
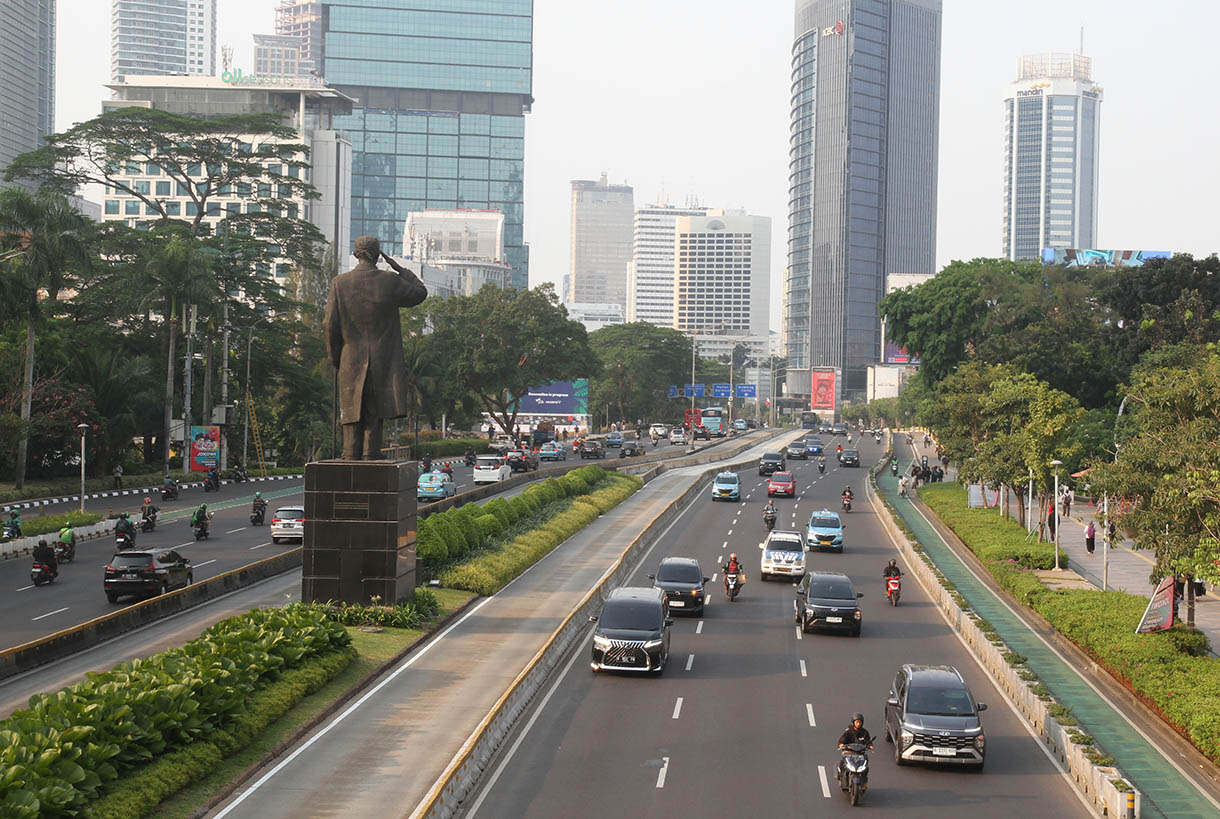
(721, 390)
(1159, 614)
(205, 448)
(747, 390)
(557, 398)
(822, 390)
(899, 355)
(1092, 257)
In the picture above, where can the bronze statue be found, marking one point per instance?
(364, 338)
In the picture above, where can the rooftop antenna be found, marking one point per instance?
(226, 57)
(1082, 41)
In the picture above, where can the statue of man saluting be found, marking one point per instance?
(364, 338)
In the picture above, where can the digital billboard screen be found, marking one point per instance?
(822, 390)
(557, 398)
(1081, 257)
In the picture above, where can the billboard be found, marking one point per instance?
(1159, 614)
(1077, 257)
(557, 398)
(205, 448)
(899, 355)
(822, 390)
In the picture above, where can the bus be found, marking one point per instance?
(715, 419)
(691, 419)
(809, 420)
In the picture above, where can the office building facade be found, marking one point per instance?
(862, 175)
(600, 237)
(1052, 122)
(27, 77)
(650, 274)
(277, 56)
(301, 20)
(443, 89)
(162, 37)
(722, 274)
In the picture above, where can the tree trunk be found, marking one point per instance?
(1190, 600)
(27, 398)
(169, 391)
(1021, 507)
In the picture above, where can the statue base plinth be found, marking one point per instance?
(359, 531)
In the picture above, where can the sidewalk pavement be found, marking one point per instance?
(33, 503)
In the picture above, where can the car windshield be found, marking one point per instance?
(729, 479)
(130, 561)
(431, 477)
(851, 452)
(637, 615)
(784, 545)
(781, 477)
(773, 457)
(488, 463)
(290, 512)
(935, 701)
(679, 573)
(833, 589)
(823, 523)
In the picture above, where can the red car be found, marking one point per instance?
(782, 483)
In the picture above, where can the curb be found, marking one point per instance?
(116, 493)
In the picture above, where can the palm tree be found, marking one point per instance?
(46, 239)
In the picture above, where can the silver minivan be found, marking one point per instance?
(931, 716)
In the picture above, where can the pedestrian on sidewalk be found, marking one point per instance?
(1111, 531)
(118, 476)
(1067, 502)
(1050, 520)
(1090, 532)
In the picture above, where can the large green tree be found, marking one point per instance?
(639, 362)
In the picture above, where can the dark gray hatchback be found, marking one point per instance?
(632, 631)
(931, 716)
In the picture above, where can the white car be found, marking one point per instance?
(783, 555)
(288, 522)
(677, 436)
(491, 469)
(658, 430)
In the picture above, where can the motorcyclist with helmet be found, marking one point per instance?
(44, 554)
(258, 506)
(733, 566)
(855, 733)
(124, 526)
(821, 463)
(848, 497)
(769, 514)
(200, 517)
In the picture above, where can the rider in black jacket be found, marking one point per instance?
(45, 554)
(855, 733)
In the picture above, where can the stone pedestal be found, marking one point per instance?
(359, 531)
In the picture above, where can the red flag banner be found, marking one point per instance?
(1159, 614)
(822, 390)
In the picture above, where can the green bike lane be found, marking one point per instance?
(1165, 791)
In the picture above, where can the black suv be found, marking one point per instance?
(522, 460)
(632, 631)
(771, 462)
(592, 449)
(930, 716)
(827, 599)
(682, 581)
(796, 449)
(630, 449)
(146, 573)
(850, 457)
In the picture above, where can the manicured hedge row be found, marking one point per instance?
(1170, 671)
(44, 524)
(417, 611)
(556, 522)
(1007, 543)
(65, 749)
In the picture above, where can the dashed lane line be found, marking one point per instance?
(23, 588)
(809, 713)
(48, 614)
(661, 773)
(804, 671)
(259, 546)
(825, 784)
(234, 531)
(699, 627)
(204, 563)
(678, 704)
(690, 660)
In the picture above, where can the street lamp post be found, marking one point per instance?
(83, 429)
(1055, 506)
(690, 442)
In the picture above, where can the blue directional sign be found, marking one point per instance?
(686, 391)
(673, 390)
(721, 390)
(699, 390)
(747, 390)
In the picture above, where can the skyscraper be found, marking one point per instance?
(600, 241)
(27, 77)
(722, 273)
(650, 276)
(862, 175)
(301, 19)
(1052, 118)
(444, 87)
(162, 37)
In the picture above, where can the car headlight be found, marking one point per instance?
(654, 643)
(856, 614)
(601, 642)
(907, 739)
(980, 742)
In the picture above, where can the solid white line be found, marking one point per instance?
(690, 659)
(804, 671)
(259, 546)
(660, 773)
(809, 713)
(699, 628)
(23, 588)
(48, 614)
(238, 529)
(678, 705)
(825, 784)
(204, 563)
(348, 711)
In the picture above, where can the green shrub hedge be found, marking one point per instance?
(68, 747)
(1170, 670)
(490, 526)
(503, 512)
(1006, 543)
(430, 545)
(45, 524)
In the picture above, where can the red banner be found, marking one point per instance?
(1159, 614)
(822, 391)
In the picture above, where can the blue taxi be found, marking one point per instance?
(825, 531)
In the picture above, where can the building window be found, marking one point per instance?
(131, 207)
(112, 207)
(162, 189)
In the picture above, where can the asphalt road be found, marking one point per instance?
(746, 718)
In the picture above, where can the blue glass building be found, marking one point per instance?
(444, 86)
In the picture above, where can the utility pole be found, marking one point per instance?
(732, 356)
(690, 442)
(188, 316)
(224, 388)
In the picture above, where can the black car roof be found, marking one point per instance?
(637, 594)
(689, 561)
(830, 575)
(934, 675)
(773, 455)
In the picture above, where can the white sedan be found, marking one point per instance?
(491, 469)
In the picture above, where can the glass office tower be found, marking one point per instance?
(444, 86)
(27, 78)
(862, 175)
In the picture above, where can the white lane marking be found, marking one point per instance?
(678, 705)
(707, 598)
(799, 633)
(23, 588)
(699, 627)
(714, 576)
(48, 614)
(660, 773)
(690, 659)
(238, 529)
(204, 563)
(720, 559)
(259, 546)
(804, 671)
(724, 545)
(809, 713)
(730, 532)
(184, 545)
(825, 784)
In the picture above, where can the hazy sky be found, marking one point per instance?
(689, 98)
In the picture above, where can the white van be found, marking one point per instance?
(491, 469)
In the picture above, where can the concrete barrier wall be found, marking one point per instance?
(72, 640)
(1093, 781)
(462, 776)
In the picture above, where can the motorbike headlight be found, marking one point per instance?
(601, 642)
(907, 739)
(654, 643)
(856, 763)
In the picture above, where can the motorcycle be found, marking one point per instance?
(257, 514)
(893, 589)
(211, 483)
(821, 467)
(847, 504)
(470, 460)
(894, 470)
(11, 531)
(447, 469)
(169, 492)
(41, 573)
(148, 522)
(769, 520)
(200, 531)
(731, 585)
(64, 552)
(238, 474)
(852, 776)
(123, 540)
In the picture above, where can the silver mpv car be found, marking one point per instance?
(931, 716)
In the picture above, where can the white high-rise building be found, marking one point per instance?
(650, 274)
(722, 274)
(602, 216)
(162, 37)
(1052, 119)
